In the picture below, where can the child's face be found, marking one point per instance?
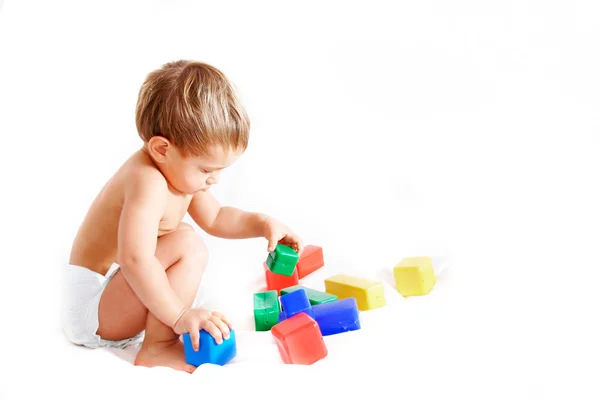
(193, 174)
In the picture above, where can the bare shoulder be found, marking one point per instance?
(136, 194)
(141, 179)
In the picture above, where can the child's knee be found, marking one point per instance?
(184, 226)
(195, 249)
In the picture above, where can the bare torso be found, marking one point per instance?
(95, 245)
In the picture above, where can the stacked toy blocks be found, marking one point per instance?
(296, 302)
(284, 267)
(266, 310)
(414, 276)
(314, 296)
(282, 260)
(209, 352)
(298, 337)
(369, 294)
(304, 315)
(277, 281)
(332, 317)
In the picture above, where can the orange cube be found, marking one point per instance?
(310, 260)
(299, 340)
(278, 281)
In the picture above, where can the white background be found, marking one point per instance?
(463, 130)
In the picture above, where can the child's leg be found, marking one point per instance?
(121, 314)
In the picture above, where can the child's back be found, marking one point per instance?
(95, 245)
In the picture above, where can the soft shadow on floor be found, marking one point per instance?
(127, 354)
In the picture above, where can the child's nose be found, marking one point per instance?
(213, 178)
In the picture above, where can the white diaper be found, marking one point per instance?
(81, 292)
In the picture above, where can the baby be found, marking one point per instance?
(192, 126)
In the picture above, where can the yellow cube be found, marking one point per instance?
(414, 276)
(368, 293)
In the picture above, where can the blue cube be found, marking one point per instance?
(337, 316)
(210, 352)
(281, 317)
(296, 302)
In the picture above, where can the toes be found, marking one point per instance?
(190, 368)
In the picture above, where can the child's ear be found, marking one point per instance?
(157, 147)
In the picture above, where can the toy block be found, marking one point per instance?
(266, 310)
(209, 352)
(310, 260)
(414, 276)
(296, 302)
(278, 281)
(334, 317)
(282, 260)
(299, 340)
(314, 296)
(337, 317)
(369, 294)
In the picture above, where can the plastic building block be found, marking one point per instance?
(266, 310)
(337, 317)
(414, 276)
(209, 352)
(369, 294)
(310, 260)
(296, 302)
(314, 296)
(282, 260)
(277, 281)
(299, 340)
(334, 317)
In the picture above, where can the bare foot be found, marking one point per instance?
(170, 354)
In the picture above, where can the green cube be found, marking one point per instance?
(314, 296)
(283, 260)
(266, 310)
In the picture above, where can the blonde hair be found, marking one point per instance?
(194, 106)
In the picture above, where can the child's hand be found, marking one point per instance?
(276, 232)
(195, 319)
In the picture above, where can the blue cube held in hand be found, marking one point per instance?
(210, 352)
(296, 302)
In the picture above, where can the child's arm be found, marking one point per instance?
(233, 223)
(144, 204)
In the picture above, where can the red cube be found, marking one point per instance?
(310, 260)
(299, 340)
(278, 281)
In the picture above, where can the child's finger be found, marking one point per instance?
(294, 241)
(221, 325)
(212, 329)
(297, 242)
(195, 338)
(224, 319)
(300, 246)
(273, 242)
